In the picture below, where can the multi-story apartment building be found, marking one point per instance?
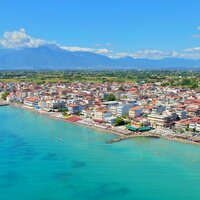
(159, 120)
(31, 101)
(74, 108)
(135, 112)
(101, 114)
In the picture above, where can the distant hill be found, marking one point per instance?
(53, 57)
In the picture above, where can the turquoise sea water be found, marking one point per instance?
(46, 159)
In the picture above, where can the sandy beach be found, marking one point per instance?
(125, 134)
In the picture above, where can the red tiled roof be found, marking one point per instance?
(101, 109)
(32, 99)
(73, 119)
(135, 108)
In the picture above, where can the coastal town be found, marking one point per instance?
(127, 109)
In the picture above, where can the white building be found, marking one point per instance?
(135, 112)
(100, 114)
(121, 108)
(31, 101)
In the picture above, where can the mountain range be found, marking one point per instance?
(53, 57)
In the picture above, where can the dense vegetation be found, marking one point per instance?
(4, 95)
(110, 97)
(188, 79)
(119, 121)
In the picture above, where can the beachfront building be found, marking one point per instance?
(157, 120)
(74, 108)
(87, 113)
(121, 108)
(192, 125)
(195, 124)
(110, 120)
(43, 105)
(56, 103)
(31, 101)
(51, 104)
(15, 97)
(135, 112)
(11, 97)
(140, 122)
(198, 126)
(183, 123)
(101, 114)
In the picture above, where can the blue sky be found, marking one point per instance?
(126, 27)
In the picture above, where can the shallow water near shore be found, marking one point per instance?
(46, 159)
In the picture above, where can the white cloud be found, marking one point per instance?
(195, 49)
(104, 51)
(93, 50)
(153, 54)
(76, 48)
(19, 39)
(191, 53)
(149, 54)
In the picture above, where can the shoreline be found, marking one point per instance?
(64, 120)
(121, 135)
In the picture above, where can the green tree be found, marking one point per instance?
(125, 116)
(187, 128)
(110, 97)
(4, 95)
(64, 111)
(119, 121)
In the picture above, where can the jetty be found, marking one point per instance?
(132, 136)
(116, 140)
